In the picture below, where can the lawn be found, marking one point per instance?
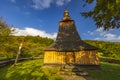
(29, 70)
(108, 71)
(34, 70)
(3, 58)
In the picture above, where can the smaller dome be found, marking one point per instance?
(66, 10)
(66, 15)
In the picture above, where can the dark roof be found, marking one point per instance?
(70, 46)
(68, 38)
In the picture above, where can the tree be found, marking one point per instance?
(5, 29)
(106, 13)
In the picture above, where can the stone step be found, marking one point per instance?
(66, 70)
(82, 73)
(72, 69)
(68, 66)
(75, 70)
(67, 73)
(80, 69)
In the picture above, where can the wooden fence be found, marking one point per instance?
(110, 60)
(11, 61)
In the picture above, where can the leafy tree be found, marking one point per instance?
(108, 49)
(106, 13)
(33, 46)
(5, 29)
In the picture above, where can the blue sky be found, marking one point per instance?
(41, 17)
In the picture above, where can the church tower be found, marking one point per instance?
(69, 48)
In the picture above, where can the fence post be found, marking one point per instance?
(19, 51)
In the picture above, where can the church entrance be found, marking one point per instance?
(70, 58)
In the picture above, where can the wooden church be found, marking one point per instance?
(69, 48)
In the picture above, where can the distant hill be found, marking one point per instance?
(106, 49)
(33, 46)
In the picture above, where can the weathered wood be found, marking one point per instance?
(81, 57)
(69, 48)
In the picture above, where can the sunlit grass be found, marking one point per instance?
(3, 57)
(29, 70)
(34, 70)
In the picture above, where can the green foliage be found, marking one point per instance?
(29, 70)
(106, 49)
(32, 46)
(108, 72)
(106, 13)
(5, 29)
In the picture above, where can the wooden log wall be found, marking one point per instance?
(85, 57)
(53, 57)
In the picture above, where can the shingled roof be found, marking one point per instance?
(68, 38)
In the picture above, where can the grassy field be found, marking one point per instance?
(108, 71)
(33, 70)
(29, 70)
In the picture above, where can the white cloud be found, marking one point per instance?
(99, 30)
(91, 33)
(42, 4)
(62, 2)
(34, 32)
(104, 35)
(109, 37)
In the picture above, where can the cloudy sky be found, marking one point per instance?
(41, 17)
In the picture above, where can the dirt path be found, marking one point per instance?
(67, 77)
(75, 77)
(74, 73)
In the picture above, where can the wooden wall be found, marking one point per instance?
(87, 57)
(54, 57)
(82, 57)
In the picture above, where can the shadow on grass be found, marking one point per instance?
(108, 72)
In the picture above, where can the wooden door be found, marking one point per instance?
(70, 57)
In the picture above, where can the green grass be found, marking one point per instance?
(3, 57)
(34, 70)
(108, 71)
(29, 70)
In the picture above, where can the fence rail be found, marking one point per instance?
(11, 61)
(110, 60)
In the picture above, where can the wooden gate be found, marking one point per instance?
(70, 58)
